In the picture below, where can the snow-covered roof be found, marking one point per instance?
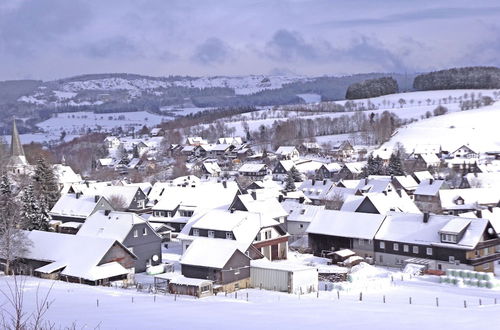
(301, 212)
(267, 206)
(493, 215)
(285, 150)
(406, 181)
(410, 228)
(280, 265)
(430, 159)
(316, 189)
(346, 224)
(472, 197)
(74, 205)
(212, 253)
(484, 180)
(429, 187)
(355, 167)
(221, 147)
(249, 167)
(287, 164)
(211, 167)
(333, 167)
(65, 174)
(60, 250)
(456, 225)
(115, 225)
(422, 175)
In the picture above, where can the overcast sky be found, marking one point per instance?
(49, 39)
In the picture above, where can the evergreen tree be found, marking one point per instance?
(374, 166)
(295, 174)
(46, 186)
(34, 213)
(395, 165)
(135, 152)
(290, 183)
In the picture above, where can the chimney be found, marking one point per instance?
(490, 208)
(107, 212)
(431, 181)
(385, 193)
(479, 213)
(426, 217)
(78, 194)
(302, 199)
(231, 210)
(324, 182)
(96, 198)
(254, 195)
(313, 182)
(224, 184)
(280, 198)
(366, 181)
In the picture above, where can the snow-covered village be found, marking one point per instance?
(262, 165)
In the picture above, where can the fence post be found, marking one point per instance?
(465, 303)
(495, 301)
(247, 296)
(235, 295)
(132, 300)
(338, 294)
(480, 302)
(383, 299)
(437, 302)
(361, 296)
(154, 298)
(410, 300)
(317, 294)
(97, 302)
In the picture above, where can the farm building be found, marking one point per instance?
(178, 284)
(283, 277)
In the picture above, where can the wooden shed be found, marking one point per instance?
(179, 284)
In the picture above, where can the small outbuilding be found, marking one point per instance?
(179, 284)
(283, 277)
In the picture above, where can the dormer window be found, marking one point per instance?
(229, 235)
(196, 232)
(459, 201)
(448, 238)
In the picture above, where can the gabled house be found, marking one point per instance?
(217, 260)
(329, 171)
(287, 153)
(236, 141)
(310, 147)
(437, 242)
(316, 190)
(379, 203)
(342, 150)
(456, 201)
(332, 231)
(77, 207)
(99, 260)
(129, 229)
(210, 169)
(351, 171)
(124, 198)
(282, 169)
(422, 162)
(220, 150)
(260, 202)
(253, 171)
(464, 152)
(176, 204)
(257, 234)
(112, 142)
(299, 217)
(427, 195)
(195, 141)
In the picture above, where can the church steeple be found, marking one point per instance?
(17, 159)
(16, 148)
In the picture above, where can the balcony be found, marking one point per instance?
(485, 259)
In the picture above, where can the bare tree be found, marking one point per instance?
(118, 202)
(335, 201)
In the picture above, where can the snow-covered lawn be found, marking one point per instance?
(114, 308)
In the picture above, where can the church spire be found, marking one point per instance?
(16, 148)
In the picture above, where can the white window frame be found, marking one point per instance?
(136, 233)
(211, 234)
(144, 231)
(395, 246)
(229, 235)
(196, 232)
(382, 245)
(451, 259)
(428, 251)
(415, 249)
(406, 248)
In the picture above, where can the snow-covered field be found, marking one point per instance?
(114, 308)
(478, 128)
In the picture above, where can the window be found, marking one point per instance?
(447, 238)
(144, 231)
(267, 234)
(415, 249)
(301, 226)
(382, 245)
(395, 246)
(486, 266)
(485, 251)
(451, 259)
(229, 235)
(406, 248)
(429, 251)
(196, 232)
(237, 271)
(136, 233)
(205, 288)
(211, 234)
